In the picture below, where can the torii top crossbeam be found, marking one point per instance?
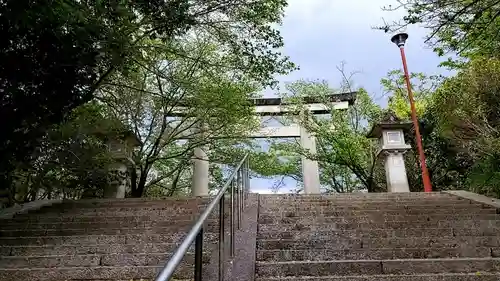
(315, 105)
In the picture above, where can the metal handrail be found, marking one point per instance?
(240, 174)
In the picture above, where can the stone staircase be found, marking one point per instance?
(346, 237)
(101, 240)
(377, 237)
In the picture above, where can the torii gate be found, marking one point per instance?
(277, 107)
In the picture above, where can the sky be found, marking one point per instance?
(319, 35)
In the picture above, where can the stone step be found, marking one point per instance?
(389, 277)
(134, 201)
(121, 206)
(144, 211)
(376, 243)
(265, 198)
(266, 219)
(372, 212)
(313, 226)
(377, 267)
(349, 202)
(102, 222)
(105, 213)
(107, 202)
(159, 227)
(387, 207)
(97, 211)
(91, 273)
(374, 254)
(93, 249)
(164, 216)
(128, 206)
(379, 233)
(126, 259)
(159, 237)
(367, 201)
(360, 195)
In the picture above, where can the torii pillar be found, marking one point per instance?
(310, 168)
(201, 167)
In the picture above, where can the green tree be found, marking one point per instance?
(175, 103)
(56, 54)
(423, 87)
(72, 159)
(346, 157)
(467, 27)
(465, 109)
(446, 167)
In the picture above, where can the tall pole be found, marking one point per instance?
(400, 39)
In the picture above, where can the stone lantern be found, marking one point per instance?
(120, 146)
(390, 133)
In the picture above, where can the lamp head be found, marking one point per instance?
(399, 39)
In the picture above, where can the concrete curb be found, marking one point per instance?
(25, 208)
(242, 266)
(475, 197)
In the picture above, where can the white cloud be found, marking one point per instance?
(320, 34)
(334, 14)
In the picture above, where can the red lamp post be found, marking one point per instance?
(399, 40)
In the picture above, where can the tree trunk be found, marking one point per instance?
(7, 189)
(173, 187)
(133, 181)
(140, 186)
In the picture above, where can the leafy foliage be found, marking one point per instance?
(56, 54)
(470, 28)
(72, 160)
(345, 156)
(422, 88)
(175, 104)
(447, 167)
(466, 113)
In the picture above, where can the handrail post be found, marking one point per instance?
(241, 198)
(232, 217)
(238, 201)
(195, 235)
(247, 177)
(221, 238)
(198, 256)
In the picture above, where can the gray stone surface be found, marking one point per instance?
(361, 237)
(377, 212)
(413, 277)
(212, 227)
(243, 266)
(373, 254)
(318, 268)
(354, 237)
(312, 226)
(377, 243)
(356, 233)
(376, 219)
(477, 198)
(100, 240)
(26, 208)
(89, 273)
(457, 265)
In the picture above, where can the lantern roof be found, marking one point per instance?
(388, 122)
